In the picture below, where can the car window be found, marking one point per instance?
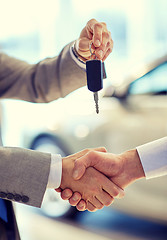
(154, 82)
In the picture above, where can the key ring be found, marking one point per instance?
(92, 54)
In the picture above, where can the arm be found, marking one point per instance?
(122, 169)
(148, 160)
(56, 77)
(20, 175)
(42, 82)
(24, 176)
(153, 157)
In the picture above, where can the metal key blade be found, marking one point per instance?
(95, 94)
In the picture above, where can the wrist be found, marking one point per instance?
(67, 166)
(55, 173)
(77, 55)
(133, 166)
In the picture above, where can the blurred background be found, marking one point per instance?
(133, 109)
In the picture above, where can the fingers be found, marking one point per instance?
(94, 30)
(96, 203)
(81, 206)
(112, 189)
(121, 194)
(107, 54)
(99, 149)
(85, 151)
(66, 194)
(101, 38)
(105, 199)
(106, 46)
(74, 200)
(58, 189)
(91, 207)
(97, 33)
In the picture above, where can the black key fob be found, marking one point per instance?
(94, 71)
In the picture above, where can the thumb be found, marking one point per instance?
(79, 169)
(90, 159)
(95, 29)
(82, 47)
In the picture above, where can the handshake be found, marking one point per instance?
(92, 178)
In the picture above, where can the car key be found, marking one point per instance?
(94, 71)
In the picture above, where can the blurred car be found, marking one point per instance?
(133, 111)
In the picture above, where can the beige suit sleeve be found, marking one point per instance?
(23, 175)
(45, 81)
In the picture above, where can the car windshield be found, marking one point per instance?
(154, 82)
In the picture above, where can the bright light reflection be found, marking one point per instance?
(81, 131)
(21, 17)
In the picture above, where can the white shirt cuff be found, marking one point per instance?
(80, 63)
(55, 174)
(153, 157)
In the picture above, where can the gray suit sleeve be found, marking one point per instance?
(45, 81)
(23, 175)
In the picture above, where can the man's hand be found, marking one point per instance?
(96, 190)
(122, 169)
(98, 34)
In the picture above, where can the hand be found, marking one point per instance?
(94, 187)
(75, 198)
(122, 169)
(97, 33)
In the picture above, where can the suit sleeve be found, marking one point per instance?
(153, 157)
(45, 81)
(23, 175)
